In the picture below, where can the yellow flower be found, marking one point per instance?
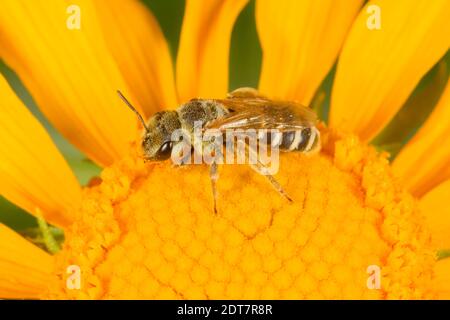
(148, 231)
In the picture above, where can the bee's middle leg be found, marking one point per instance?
(214, 176)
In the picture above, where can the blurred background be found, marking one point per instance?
(245, 62)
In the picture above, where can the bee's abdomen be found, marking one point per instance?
(304, 140)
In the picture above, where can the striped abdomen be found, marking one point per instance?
(303, 140)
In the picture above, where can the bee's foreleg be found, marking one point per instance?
(214, 176)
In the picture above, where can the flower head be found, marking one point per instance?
(145, 230)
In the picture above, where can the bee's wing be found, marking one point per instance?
(259, 113)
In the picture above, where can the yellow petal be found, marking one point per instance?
(378, 69)
(424, 161)
(300, 42)
(435, 207)
(441, 282)
(136, 41)
(415, 110)
(202, 62)
(25, 270)
(33, 174)
(69, 72)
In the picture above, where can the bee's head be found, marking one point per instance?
(157, 143)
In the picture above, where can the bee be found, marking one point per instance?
(243, 109)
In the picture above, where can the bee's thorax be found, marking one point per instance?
(198, 110)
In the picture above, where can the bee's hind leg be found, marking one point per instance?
(278, 187)
(260, 169)
(214, 176)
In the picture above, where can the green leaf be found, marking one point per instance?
(443, 254)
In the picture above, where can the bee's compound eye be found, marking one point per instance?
(165, 150)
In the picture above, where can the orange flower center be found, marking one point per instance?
(149, 231)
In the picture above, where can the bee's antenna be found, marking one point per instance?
(132, 108)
